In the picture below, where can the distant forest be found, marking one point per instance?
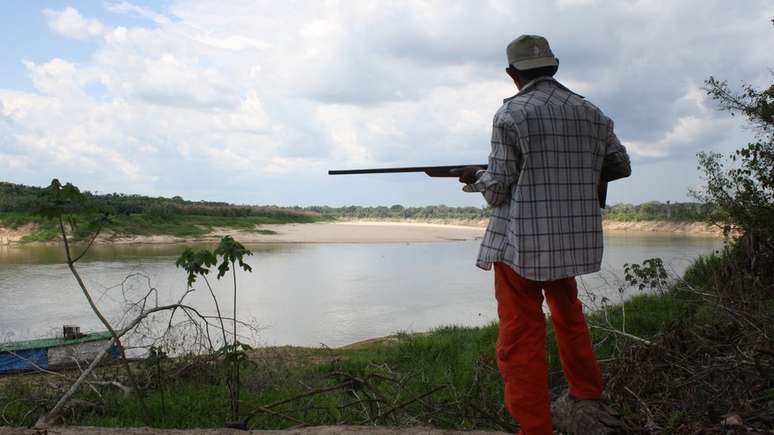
(649, 211)
(19, 199)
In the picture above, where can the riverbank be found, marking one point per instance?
(345, 231)
(334, 232)
(688, 228)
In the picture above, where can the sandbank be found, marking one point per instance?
(336, 232)
(366, 232)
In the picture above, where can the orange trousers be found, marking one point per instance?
(521, 346)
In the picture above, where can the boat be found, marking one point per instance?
(71, 349)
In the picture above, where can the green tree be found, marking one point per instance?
(741, 189)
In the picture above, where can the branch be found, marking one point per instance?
(402, 405)
(300, 423)
(624, 334)
(37, 367)
(300, 396)
(126, 390)
(86, 249)
(47, 419)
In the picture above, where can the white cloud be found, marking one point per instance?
(129, 8)
(70, 23)
(270, 94)
(56, 77)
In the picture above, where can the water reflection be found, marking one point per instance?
(52, 254)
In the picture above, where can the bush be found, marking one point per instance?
(741, 190)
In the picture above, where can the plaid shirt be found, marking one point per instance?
(549, 149)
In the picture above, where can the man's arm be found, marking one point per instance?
(616, 164)
(503, 169)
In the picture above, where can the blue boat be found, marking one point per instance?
(52, 353)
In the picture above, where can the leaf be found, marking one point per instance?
(233, 252)
(195, 263)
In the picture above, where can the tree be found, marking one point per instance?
(742, 189)
(231, 254)
(75, 213)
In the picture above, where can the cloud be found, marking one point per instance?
(254, 102)
(12, 157)
(685, 132)
(70, 23)
(695, 126)
(132, 9)
(56, 77)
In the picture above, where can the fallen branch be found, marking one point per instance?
(624, 334)
(402, 405)
(47, 419)
(300, 423)
(294, 398)
(650, 421)
(125, 389)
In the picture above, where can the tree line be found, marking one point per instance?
(17, 198)
(659, 211)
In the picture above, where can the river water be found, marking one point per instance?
(299, 294)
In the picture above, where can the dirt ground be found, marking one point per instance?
(317, 430)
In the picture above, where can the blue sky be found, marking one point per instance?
(252, 102)
(27, 35)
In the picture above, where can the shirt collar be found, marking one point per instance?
(533, 83)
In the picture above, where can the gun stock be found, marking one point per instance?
(446, 172)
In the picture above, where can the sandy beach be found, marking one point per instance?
(395, 232)
(345, 232)
(335, 232)
(366, 232)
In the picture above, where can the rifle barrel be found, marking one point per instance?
(443, 171)
(395, 170)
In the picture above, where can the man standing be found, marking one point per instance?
(550, 150)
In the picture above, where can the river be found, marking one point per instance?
(299, 294)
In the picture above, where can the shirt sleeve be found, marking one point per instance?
(616, 164)
(504, 166)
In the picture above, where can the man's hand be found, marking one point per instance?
(467, 174)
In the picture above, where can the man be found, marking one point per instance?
(550, 149)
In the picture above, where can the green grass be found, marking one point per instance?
(14, 220)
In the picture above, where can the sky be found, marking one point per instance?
(251, 102)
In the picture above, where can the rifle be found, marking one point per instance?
(444, 171)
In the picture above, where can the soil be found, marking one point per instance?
(317, 430)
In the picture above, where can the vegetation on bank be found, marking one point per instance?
(189, 226)
(648, 211)
(137, 215)
(659, 211)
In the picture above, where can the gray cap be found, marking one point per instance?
(530, 51)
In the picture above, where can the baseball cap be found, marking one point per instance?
(530, 51)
